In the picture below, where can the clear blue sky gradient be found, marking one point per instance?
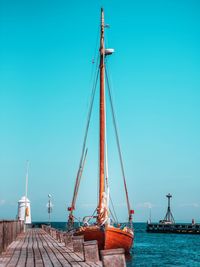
(46, 52)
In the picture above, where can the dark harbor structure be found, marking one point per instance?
(168, 225)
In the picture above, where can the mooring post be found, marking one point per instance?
(68, 240)
(91, 253)
(78, 243)
(57, 235)
(60, 236)
(113, 257)
(51, 232)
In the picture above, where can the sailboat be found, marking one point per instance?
(108, 234)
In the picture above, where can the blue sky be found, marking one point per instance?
(46, 53)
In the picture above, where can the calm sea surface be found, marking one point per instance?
(161, 249)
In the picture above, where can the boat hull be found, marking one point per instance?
(108, 238)
(118, 238)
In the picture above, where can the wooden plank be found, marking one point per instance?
(62, 250)
(23, 252)
(51, 252)
(53, 246)
(30, 256)
(46, 259)
(7, 255)
(16, 253)
(36, 248)
(75, 259)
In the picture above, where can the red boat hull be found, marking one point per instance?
(108, 238)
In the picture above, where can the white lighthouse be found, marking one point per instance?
(24, 210)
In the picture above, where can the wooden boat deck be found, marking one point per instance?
(36, 248)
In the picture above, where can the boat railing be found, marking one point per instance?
(123, 225)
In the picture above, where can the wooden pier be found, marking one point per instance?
(176, 228)
(36, 248)
(168, 225)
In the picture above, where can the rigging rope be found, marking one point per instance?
(115, 215)
(80, 175)
(92, 215)
(118, 143)
(83, 153)
(114, 219)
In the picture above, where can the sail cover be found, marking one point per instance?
(103, 211)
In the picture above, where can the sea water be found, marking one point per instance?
(154, 249)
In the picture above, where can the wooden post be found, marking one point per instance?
(91, 253)
(78, 243)
(68, 240)
(57, 235)
(1, 237)
(51, 231)
(113, 257)
(62, 237)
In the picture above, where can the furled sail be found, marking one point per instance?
(103, 210)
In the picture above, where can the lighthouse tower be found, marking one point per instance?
(24, 210)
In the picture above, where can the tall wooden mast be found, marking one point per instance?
(102, 116)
